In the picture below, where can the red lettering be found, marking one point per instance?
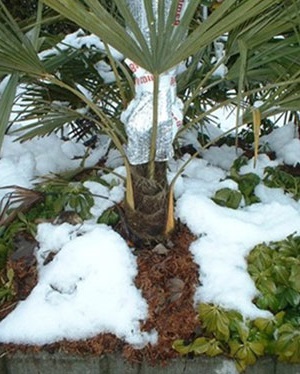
(177, 120)
(178, 12)
(144, 79)
(133, 67)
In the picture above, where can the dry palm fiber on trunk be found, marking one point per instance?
(147, 222)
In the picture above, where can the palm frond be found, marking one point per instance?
(6, 103)
(17, 53)
(168, 45)
(228, 16)
(19, 200)
(93, 16)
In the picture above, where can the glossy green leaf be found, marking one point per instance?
(109, 217)
(200, 345)
(290, 247)
(244, 353)
(228, 197)
(235, 346)
(278, 178)
(281, 274)
(267, 286)
(243, 331)
(292, 297)
(294, 278)
(247, 184)
(265, 325)
(279, 317)
(288, 344)
(258, 348)
(214, 348)
(215, 320)
(269, 301)
(180, 346)
(261, 258)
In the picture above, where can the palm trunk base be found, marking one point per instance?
(147, 222)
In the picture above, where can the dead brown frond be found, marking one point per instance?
(19, 200)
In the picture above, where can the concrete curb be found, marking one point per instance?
(59, 363)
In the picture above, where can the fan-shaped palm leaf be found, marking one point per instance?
(168, 45)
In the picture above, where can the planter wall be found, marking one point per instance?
(58, 363)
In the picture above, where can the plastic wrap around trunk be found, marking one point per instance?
(138, 116)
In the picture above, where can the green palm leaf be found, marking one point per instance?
(168, 43)
(92, 16)
(17, 53)
(255, 22)
(6, 103)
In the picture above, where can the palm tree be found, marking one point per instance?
(261, 49)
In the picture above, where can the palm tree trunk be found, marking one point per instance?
(147, 222)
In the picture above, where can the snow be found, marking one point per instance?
(21, 163)
(285, 143)
(226, 236)
(262, 162)
(222, 156)
(105, 197)
(89, 287)
(225, 239)
(78, 40)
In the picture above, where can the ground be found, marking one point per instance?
(171, 277)
(167, 277)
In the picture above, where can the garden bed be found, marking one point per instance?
(167, 277)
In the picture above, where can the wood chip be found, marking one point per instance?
(160, 249)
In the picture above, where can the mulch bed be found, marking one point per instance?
(167, 277)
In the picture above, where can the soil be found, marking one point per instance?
(167, 277)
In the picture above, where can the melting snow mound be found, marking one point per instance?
(87, 289)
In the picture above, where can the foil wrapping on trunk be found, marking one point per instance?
(138, 116)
